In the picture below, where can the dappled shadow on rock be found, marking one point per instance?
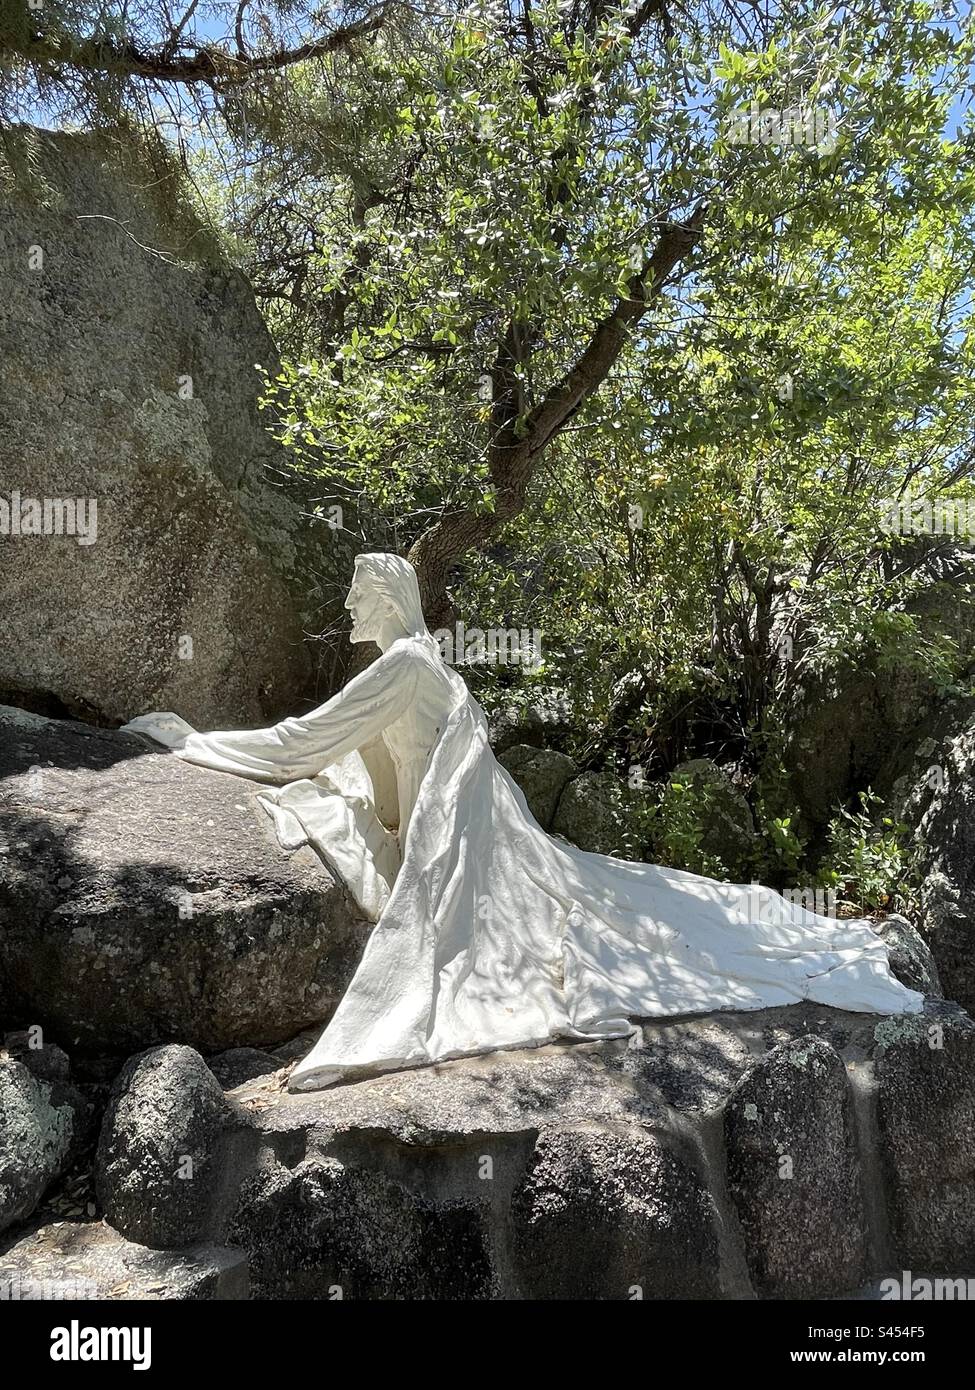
(145, 900)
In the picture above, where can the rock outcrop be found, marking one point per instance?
(43, 1122)
(783, 1153)
(794, 1171)
(946, 860)
(129, 391)
(544, 722)
(780, 1153)
(909, 955)
(859, 725)
(542, 775)
(602, 1214)
(144, 900)
(926, 1115)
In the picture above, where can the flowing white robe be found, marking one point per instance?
(490, 933)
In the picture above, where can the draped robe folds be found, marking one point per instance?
(489, 932)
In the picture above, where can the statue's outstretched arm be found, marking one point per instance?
(303, 747)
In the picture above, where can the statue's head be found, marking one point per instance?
(384, 595)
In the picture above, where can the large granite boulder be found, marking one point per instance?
(319, 1228)
(144, 900)
(777, 1153)
(523, 1174)
(129, 351)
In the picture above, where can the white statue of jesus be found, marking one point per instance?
(490, 933)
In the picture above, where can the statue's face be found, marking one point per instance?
(369, 610)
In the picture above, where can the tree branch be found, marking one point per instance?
(515, 454)
(210, 64)
(609, 339)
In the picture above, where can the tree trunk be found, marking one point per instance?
(520, 441)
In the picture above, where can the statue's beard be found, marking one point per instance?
(364, 632)
(370, 626)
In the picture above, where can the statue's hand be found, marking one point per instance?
(166, 728)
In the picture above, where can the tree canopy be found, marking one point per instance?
(625, 321)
